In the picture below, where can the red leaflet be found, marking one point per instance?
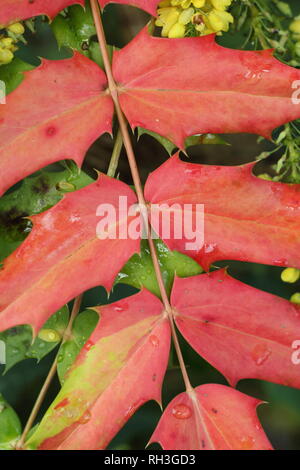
(246, 218)
(148, 5)
(211, 417)
(242, 331)
(63, 257)
(56, 113)
(122, 368)
(15, 10)
(182, 87)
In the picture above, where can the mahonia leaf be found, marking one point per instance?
(13, 74)
(148, 5)
(51, 117)
(208, 139)
(242, 339)
(245, 218)
(121, 367)
(16, 10)
(83, 326)
(76, 29)
(10, 426)
(199, 87)
(18, 340)
(36, 194)
(139, 271)
(61, 248)
(211, 417)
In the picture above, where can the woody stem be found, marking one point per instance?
(136, 180)
(50, 376)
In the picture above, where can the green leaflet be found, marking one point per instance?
(10, 426)
(18, 340)
(35, 194)
(189, 141)
(12, 74)
(75, 31)
(139, 271)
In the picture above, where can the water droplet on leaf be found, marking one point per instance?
(260, 354)
(181, 411)
(154, 340)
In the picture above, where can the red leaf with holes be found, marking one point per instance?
(16, 10)
(121, 367)
(241, 338)
(245, 218)
(148, 5)
(56, 113)
(212, 417)
(62, 256)
(182, 87)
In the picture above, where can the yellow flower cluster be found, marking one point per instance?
(292, 275)
(8, 42)
(178, 17)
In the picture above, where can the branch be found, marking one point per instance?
(137, 182)
(51, 374)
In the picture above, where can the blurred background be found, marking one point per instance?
(280, 415)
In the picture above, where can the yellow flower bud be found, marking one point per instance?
(16, 28)
(219, 20)
(295, 26)
(265, 176)
(295, 298)
(169, 19)
(290, 275)
(177, 31)
(6, 43)
(50, 336)
(6, 56)
(221, 5)
(198, 3)
(186, 16)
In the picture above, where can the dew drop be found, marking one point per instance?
(181, 411)
(247, 443)
(118, 309)
(260, 354)
(209, 247)
(154, 341)
(85, 418)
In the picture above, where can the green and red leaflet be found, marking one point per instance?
(16, 10)
(121, 367)
(245, 218)
(181, 87)
(212, 417)
(63, 249)
(241, 338)
(56, 113)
